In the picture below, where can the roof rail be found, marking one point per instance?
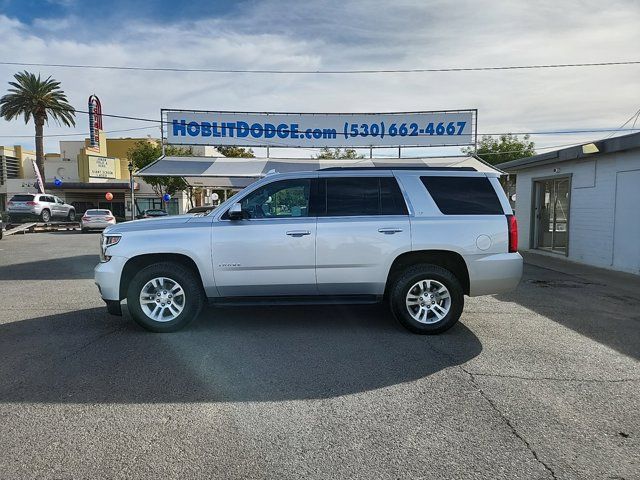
(404, 167)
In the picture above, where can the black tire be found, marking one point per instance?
(194, 296)
(72, 216)
(407, 279)
(45, 216)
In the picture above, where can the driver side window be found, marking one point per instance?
(282, 199)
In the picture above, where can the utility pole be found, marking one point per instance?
(132, 185)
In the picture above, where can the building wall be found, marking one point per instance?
(592, 207)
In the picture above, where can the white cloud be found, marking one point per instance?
(324, 35)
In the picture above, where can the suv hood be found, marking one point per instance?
(159, 223)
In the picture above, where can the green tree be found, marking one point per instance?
(502, 149)
(145, 152)
(335, 153)
(32, 97)
(236, 152)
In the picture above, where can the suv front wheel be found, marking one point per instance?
(164, 297)
(427, 299)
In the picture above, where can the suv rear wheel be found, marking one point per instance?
(427, 299)
(45, 216)
(164, 297)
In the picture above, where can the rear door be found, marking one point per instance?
(49, 203)
(363, 226)
(61, 209)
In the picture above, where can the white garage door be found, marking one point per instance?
(626, 236)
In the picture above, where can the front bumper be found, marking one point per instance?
(114, 307)
(107, 278)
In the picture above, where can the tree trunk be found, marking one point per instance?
(39, 121)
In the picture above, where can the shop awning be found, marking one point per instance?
(239, 172)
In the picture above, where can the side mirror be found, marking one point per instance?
(235, 212)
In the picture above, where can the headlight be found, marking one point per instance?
(107, 241)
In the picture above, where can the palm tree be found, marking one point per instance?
(41, 99)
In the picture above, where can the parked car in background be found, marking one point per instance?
(39, 206)
(418, 239)
(153, 212)
(201, 211)
(97, 219)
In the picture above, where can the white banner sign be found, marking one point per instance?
(102, 167)
(320, 129)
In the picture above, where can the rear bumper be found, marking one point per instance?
(95, 225)
(491, 274)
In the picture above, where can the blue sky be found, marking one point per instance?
(333, 34)
(155, 10)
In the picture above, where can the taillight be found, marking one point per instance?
(84, 217)
(513, 233)
(108, 219)
(32, 203)
(9, 204)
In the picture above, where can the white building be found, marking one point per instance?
(582, 202)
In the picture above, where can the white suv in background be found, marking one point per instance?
(419, 239)
(43, 206)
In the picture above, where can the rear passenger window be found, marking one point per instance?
(463, 195)
(361, 196)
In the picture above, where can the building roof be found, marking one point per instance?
(258, 167)
(610, 145)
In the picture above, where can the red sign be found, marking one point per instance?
(95, 121)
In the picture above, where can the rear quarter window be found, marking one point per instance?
(463, 195)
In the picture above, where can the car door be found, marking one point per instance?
(272, 250)
(363, 227)
(61, 209)
(50, 204)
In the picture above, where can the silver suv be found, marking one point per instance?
(419, 239)
(41, 206)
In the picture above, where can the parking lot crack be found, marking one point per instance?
(554, 379)
(508, 423)
(500, 414)
(90, 342)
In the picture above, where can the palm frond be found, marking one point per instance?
(33, 97)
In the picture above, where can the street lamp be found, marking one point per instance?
(131, 183)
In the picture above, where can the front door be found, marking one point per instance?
(626, 233)
(272, 250)
(551, 214)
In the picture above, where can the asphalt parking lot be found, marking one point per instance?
(540, 383)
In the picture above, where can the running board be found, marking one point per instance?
(307, 300)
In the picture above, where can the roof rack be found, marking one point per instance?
(417, 167)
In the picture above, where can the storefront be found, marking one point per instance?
(582, 202)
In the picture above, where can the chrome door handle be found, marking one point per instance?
(298, 233)
(389, 231)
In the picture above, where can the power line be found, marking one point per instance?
(264, 143)
(84, 134)
(324, 72)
